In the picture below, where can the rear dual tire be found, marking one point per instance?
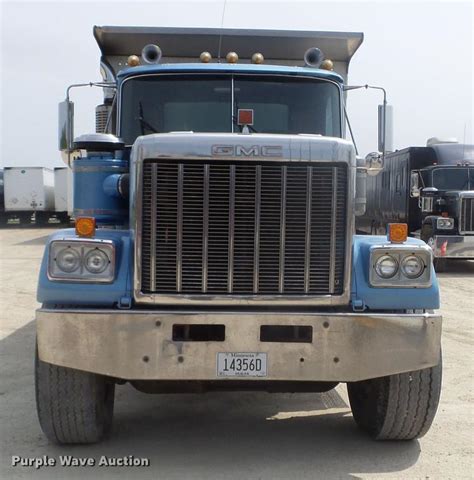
(397, 407)
(73, 406)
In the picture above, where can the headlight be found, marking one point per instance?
(68, 259)
(400, 266)
(96, 261)
(412, 266)
(445, 223)
(81, 260)
(386, 266)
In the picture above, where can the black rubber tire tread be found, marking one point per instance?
(397, 407)
(73, 406)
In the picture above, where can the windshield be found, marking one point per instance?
(454, 178)
(158, 104)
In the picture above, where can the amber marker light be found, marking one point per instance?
(133, 61)
(258, 58)
(205, 57)
(232, 57)
(85, 226)
(327, 64)
(397, 232)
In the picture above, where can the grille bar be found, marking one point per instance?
(467, 215)
(281, 276)
(248, 229)
(256, 248)
(332, 255)
(205, 234)
(230, 277)
(152, 244)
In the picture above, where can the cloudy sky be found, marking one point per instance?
(421, 52)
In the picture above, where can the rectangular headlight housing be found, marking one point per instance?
(445, 223)
(81, 260)
(400, 266)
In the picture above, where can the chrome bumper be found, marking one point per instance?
(137, 345)
(453, 246)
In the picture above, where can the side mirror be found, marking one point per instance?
(65, 126)
(385, 128)
(414, 186)
(374, 163)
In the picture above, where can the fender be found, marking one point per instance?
(365, 297)
(115, 294)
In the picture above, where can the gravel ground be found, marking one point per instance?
(231, 435)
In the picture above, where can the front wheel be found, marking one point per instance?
(73, 406)
(397, 407)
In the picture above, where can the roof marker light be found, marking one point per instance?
(327, 64)
(205, 57)
(232, 57)
(258, 58)
(133, 61)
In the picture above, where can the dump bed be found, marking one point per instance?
(182, 45)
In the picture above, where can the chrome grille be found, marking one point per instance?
(243, 229)
(466, 221)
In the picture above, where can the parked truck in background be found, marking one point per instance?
(35, 194)
(29, 191)
(63, 195)
(431, 189)
(3, 216)
(214, 246)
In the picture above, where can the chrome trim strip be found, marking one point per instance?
(230, 273)
(104, 169)
(332, 255)
(256, 246)
(309, 199)
(281, 279)
(98, 211)
(179, 230)
(205, 226)
(154, 175)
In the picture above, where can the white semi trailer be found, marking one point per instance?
(28, 191)
(63, 193)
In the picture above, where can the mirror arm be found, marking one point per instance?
(90, 84)
(350, 130)
(384, 116)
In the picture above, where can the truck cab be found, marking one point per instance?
(215, 246)
(446, 201)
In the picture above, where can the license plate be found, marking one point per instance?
(241, 364)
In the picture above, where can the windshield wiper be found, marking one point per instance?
(144, 124)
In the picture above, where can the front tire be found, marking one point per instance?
(73, 406)
(397, 407)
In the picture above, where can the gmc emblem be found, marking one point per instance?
(244, 151)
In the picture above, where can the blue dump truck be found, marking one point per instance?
(214, 246)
